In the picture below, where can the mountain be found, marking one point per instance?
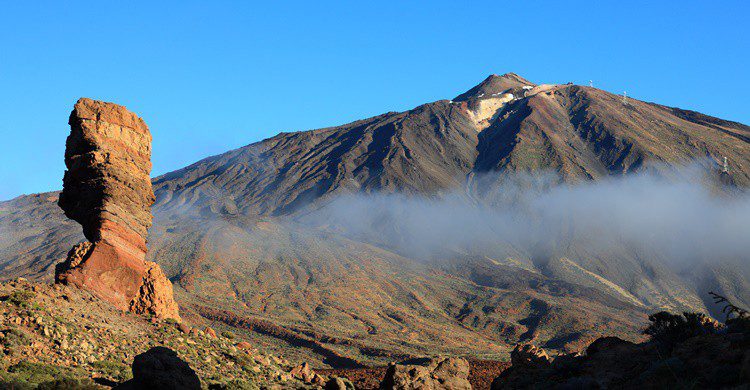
(231, 231)
(580, 132)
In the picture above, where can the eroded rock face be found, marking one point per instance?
(427, 374)
(107, 189)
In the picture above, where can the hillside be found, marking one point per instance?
(231, 231)
(57, 333)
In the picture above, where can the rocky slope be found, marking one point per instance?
(230, 230)
(63, 335)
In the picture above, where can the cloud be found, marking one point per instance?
(682, 219)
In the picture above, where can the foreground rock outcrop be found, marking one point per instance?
(428, 373)
(160, 368)
(689, 351)
(107, 189)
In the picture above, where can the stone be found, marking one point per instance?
(303, 372)
(528, 355)
(160, 368)
(428, 373)
(338, 383)
(697, 352)
(107, 189)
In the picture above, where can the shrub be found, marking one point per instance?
(20, 298)
(68, 384)
(237, 384)
(729, 309)
(45, 376)
(668, 328)
(171, 321)
(227, 334)
(113, 370)
(14, 339)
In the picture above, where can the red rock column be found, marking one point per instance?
(107, 189)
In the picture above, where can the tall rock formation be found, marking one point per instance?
(107, 189)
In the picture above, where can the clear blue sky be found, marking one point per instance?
(211, 76)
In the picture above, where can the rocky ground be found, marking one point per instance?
(54, 336)
(481, 374)
(689, 351)
(56, 333)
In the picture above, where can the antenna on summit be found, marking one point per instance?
(624, 97)
(591, 83)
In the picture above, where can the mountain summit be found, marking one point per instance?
(494, 85)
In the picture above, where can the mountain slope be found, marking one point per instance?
(579, 132)
(230, 230)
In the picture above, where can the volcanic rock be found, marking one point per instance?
(696, 353)
(160, 368)
(529, 355)
(338, 383)
(302, 371)
(107, 189)
(428, 373)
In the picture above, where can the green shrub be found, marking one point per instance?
(236, 384)
(171, 321)
(14, 339)
(113, 370)
(68, 384)
(20, 298)
(227, 334)
(45, 376)
(668, 328)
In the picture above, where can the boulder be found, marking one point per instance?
(303, 372)
(688, 351)
(428, 373)
(338, 383)
(529, 355)
(107, 189)
(160, 368)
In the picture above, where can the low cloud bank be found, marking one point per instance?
(682, 220)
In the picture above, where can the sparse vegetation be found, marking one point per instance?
(171, 321)
(669, 328)
(13, 339)
(237, 384)
(79, 338)
(113, 370)
(30, 375)
(20, 298)
(729, 309)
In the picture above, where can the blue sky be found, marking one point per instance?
(211, 76)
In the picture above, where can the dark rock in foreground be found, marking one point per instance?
(690, 351)
(428, 373)
(160, 368)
